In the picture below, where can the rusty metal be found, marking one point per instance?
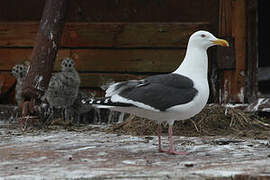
(45, 49)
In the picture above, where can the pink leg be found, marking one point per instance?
(159, 139)
(171, 150)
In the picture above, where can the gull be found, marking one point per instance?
(179, 95)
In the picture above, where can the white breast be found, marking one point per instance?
(186, 111)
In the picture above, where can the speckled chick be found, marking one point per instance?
(19, 71)
(64, 86)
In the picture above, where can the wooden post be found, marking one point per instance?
(225, 30)
(252, 50)
(225, 17)
(45, 49)
(232, 23)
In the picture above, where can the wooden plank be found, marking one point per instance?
(105, 60)
(233, 85)
(6, 81)
(117, 10)
(12, 56)
(144, 11)
(129, 34)
(225, 17)
(239, 33)
(165, 35)
(252, 50)
(88, 80)
(7, 93)
(225, 29)
(130, 60)
(96, 80)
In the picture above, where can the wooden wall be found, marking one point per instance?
(110, 40)
(233, 24)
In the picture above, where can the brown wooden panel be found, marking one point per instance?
(117, 10)
(129, 34)
(88, 80)
(94, 80)
(174, 35)
(105, 60)
(7, 93)
(11, 56)
(239, 32)
(144, 10)
(130, 60)
(6, 80)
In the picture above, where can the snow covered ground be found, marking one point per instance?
(93, 154)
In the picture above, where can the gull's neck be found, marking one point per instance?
(195, 63)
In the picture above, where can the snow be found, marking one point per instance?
(95, 154)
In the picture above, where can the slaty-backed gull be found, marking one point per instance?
(167, 97)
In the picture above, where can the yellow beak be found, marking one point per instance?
(221, 42)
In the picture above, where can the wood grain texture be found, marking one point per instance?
(104, 60)
(46, 45)
(7, 88)
(131, 60)
(117, 10)
(12, 56)
(233, 83)
(240, 34)
(88, 80)
(94, 80)
(6, 80)
(252, 50)
(118, 35)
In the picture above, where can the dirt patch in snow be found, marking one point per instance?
(213, 120)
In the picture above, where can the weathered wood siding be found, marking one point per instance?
(109, 40)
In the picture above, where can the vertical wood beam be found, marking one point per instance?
(225, 30)
(232, 22)
(45, 48)
(240, 41)
(225, 18)
(252, 50)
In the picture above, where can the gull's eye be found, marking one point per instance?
(203, 35)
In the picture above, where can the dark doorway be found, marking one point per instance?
(264, 48)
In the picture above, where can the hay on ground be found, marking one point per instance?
(213, 120)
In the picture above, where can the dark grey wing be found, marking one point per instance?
(116, 88)
(172, 80)
(162, 91)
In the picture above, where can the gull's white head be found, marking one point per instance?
(204, 39)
